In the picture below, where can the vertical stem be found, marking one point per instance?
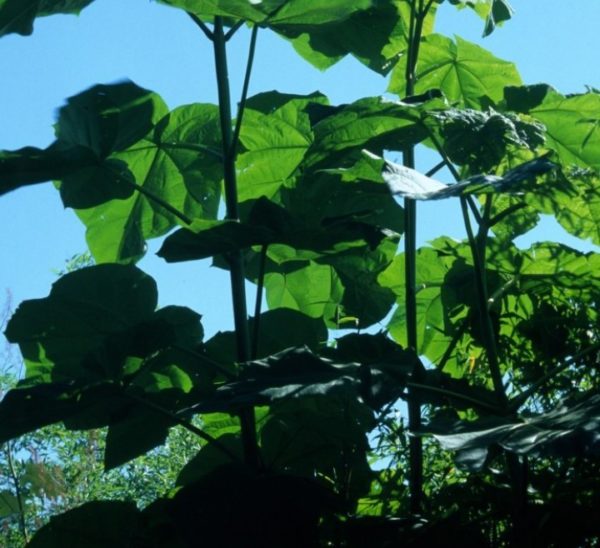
(482, 298)
(236, 263)
(417, 17)
(260, 285)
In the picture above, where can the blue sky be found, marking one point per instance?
(161, 49)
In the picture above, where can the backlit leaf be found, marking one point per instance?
(465, 72)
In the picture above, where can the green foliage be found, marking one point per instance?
(304, 442)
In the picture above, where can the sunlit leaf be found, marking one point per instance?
(466, 73)
(276, 134)
(572, 122)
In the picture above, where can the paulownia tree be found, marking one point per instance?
(493, 347)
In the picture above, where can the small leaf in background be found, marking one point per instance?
(494, 12)
(9, 504)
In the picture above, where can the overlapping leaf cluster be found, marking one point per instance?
(319, 233)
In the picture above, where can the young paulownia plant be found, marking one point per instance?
(300, 443)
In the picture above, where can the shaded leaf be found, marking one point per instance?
(134, 435)
(87, 526)
(268, 223)
(482, 140)
(566, 431)
(374, 36)
(17, 16)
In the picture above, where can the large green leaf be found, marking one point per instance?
(321, 437)
(116, 138)
(18, 15)
(278, 329)
(297, 373)
(373, 123)
(268, 224)
(79, 321)
(91, 127)
(375, 36)
(572, 122)
(141, 431)
(276, 134)
(306, 286)
(494, 12)
(434, 330)
(466, 73)
(24, 410)
(177, 162)
(358, 269)
(274, 13)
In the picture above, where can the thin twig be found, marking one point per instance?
(229, 34)
(242, 104)
(202, 25)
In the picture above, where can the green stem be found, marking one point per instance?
(202, 26)
(260, 284)
(245, 87)
(477, 246)
(236, 264)
(482, 305)
(229, 34)
(417, 17)
(164, 204)
(156, 199)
